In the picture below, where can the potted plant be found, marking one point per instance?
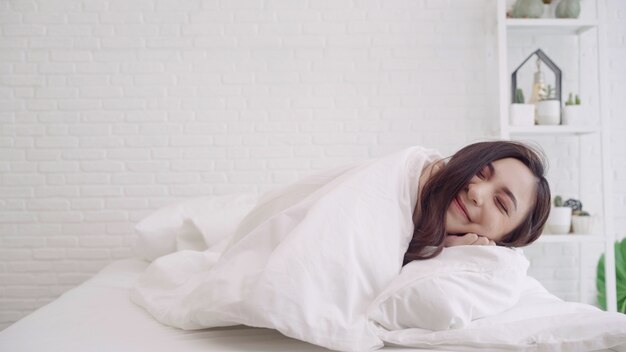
(560, 218)
(548, 108)
(571, 111)
(582, 221)
(620, 279)
(521, 114)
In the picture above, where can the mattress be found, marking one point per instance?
(99, 316)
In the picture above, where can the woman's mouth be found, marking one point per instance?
(461, 207)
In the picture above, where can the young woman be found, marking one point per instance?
(488, 193)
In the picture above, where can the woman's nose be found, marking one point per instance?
(475, 194)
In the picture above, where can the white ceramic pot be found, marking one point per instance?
(582, 224)
(522, 115)
(572, 115)
(549, 112)
(560, 220)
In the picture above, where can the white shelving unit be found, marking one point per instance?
(565, 27)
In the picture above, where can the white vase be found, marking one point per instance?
(582, 224)
(560, 220)
(522, 115)
(572, 115)
(549, 112)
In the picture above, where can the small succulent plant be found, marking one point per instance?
(519, 96)
(558, 201)
(577, 207)
(547, 93)
(575, 204)
(572, 101)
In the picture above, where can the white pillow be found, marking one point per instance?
(539, 321)
(449, 291)
(195, 224)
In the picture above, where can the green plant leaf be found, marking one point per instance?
(600, 283)
(620, 277)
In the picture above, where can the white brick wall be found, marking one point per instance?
(111, 109)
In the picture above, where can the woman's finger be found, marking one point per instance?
(481, 241)
(465, 240)
(470, 238)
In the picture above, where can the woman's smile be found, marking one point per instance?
(461, 209)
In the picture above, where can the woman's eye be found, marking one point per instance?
(482, 173)
(502, 205)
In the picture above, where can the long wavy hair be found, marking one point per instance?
(439, 191)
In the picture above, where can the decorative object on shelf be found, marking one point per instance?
(571, 111)
(568, 9)
(539, 84)
(582, 221)
(560, 218)
(521, 114)
(527, 9)
(548, 108)
(575, 204)
(620, 279)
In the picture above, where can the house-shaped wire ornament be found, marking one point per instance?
(548, 62)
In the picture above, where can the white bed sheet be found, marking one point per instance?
(99, 316)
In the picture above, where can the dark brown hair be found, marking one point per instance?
(443, 186)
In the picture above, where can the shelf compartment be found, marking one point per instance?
(560, 26)
(558, 129)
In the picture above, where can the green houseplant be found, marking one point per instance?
(620, 278)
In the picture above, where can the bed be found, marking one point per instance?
(99, 316)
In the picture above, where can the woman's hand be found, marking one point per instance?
(466, 240)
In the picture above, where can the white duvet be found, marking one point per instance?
(321, 261)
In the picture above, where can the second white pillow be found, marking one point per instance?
(461, 284)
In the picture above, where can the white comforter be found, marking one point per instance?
(320, 261)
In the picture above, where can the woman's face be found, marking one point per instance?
(494, 202)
